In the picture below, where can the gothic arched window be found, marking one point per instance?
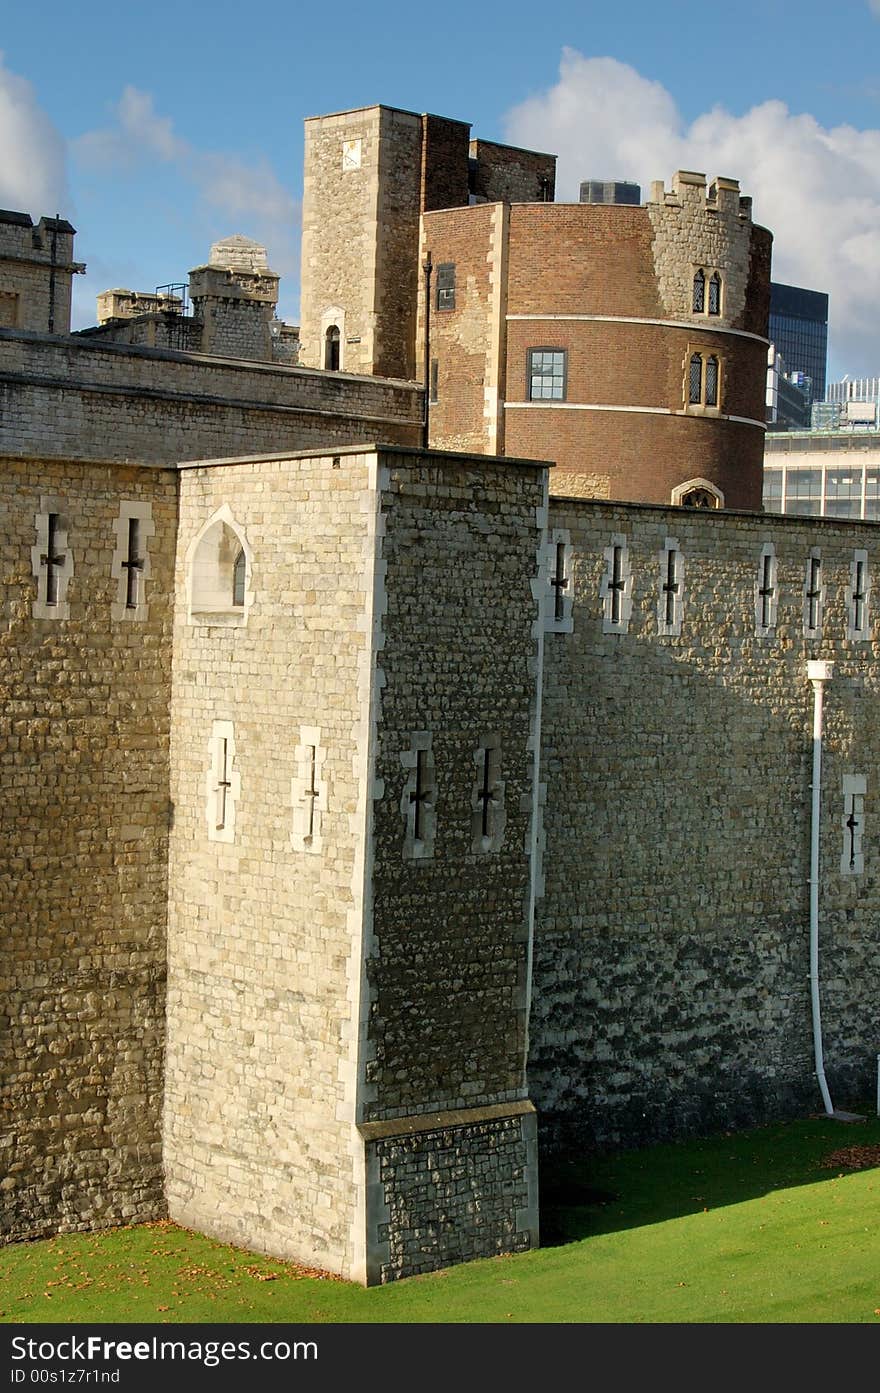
(699, 292)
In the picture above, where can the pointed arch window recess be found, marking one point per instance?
(218, 572)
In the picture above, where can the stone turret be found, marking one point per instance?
(36, 272)
(708, 226)
(234, 296)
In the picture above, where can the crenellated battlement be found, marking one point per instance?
(705, 226)
(718, 194)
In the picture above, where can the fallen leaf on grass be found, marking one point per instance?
(853, 1158)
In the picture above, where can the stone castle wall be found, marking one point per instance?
(84, 816)
(72, 399)
(671, 986)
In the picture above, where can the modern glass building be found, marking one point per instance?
(610, 191)
(832, 474)
(799, 328)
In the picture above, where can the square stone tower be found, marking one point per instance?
(357, 668)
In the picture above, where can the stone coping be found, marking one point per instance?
(442, 1121)
(434, 457)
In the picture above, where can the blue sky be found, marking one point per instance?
(159, 128)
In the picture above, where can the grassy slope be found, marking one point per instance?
(751, 1227)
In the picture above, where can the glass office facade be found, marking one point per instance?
(799, 328)
(832, 476)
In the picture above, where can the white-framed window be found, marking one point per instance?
(308, 791)
(488, 816)
(558, 604)
(51, 560)
(417, 802)
(222, 783)
(814, 594)
(766, 592)
(858, 598)
(333, 338)
(218, 572)
(131, 559)
(852, 861)
(615, 590)
(670, 588)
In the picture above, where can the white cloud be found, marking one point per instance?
(32, 152)
(816, 188)
(874, 7)
(248, 196)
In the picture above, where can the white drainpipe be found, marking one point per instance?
(817, 673)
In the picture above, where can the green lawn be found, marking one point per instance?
(779, 1224)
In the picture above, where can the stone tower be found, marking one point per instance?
(234, 297)
(369, 175)
(36, 273)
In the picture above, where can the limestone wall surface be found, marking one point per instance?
(70, 398)
(84, 815)
(671, 987)
(263, 934)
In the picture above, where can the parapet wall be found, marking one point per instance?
(70, 398)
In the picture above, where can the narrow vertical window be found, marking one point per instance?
(858, 598)
(814, 594)
(711, 380)
(488, 817)
(433, 392)
(558, 607)
(714, 293)
(332, 348)
(445, 297)
(417, 800)
(51, 561)
(699, 299)
(134, 564)
(695, 379)
(671, 594)
(239, 574)
(852, 861)
(308, 791)
(616, 587)
(223, 783)
(131, 560)
(766, 593)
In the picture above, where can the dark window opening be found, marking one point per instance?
(332, 349)
(699, 292)
(446, 286)
(239, 572)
